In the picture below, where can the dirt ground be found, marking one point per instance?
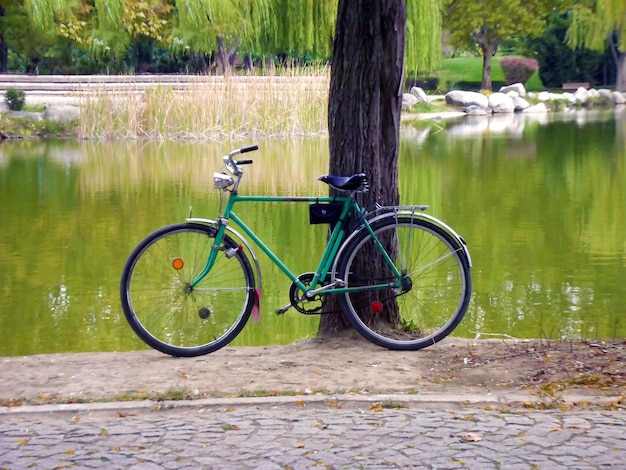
(339, 365)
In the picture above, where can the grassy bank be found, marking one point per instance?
(284, 104)
(225, 108)
(470, 69)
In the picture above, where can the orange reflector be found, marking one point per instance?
(177, 263)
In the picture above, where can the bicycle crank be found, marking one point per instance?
(303, 304)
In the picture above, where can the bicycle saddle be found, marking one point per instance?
(357, 182)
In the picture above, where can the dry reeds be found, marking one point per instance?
(210, 107)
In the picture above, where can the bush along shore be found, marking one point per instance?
(258, 110)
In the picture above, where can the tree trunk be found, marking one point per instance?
(4, 55)
(4, 48)
(489, 46)
(223, 64)
(620, 83)
(487, 55)
(364, 106)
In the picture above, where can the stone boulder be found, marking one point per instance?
(501, 103)
(420, 94)
(62, 112)
(516, 87)
(520, 104)
(538, 108)
(473, 110)
(408, 100)
(37, 117)
(466, 98)
(619, 98)
(582, 96)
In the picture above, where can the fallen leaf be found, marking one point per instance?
(472, 437)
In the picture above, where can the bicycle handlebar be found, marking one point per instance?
(233, 165)
(252, 148)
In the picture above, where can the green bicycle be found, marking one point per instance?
(402, 277)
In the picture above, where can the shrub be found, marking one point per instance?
(15, 99)
(518, 69)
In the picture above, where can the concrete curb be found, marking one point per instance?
(439, 401)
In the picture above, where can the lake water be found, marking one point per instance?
(541, 203)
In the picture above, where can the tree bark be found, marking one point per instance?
(4, 48)
(489, 46)
(620, 83)
(364, 106)
(223, 65)
(487, 56)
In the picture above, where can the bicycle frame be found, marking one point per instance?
(335, 243)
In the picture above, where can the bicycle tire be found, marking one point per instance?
(172, 317)
(437, 291)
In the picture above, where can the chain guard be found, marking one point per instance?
(303, 304)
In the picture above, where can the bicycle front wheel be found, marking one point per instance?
(435, 290)
(170, 315)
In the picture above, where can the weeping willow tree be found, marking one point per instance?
(296, 28)
(102, 27)
(423, 35)
(596, 23)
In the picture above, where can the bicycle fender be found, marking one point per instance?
(240, 238)
(413, 214)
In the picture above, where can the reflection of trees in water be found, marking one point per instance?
(547, 232)
(286, 167)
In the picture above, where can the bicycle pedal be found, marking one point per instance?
(283, 310)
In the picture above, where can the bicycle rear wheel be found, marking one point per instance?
(170, 315)
(435, 291)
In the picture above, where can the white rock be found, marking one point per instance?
(420, 94)
(473, 110)
(517, 87)
(520, 104)
(62, 112)
(466, 98)
(408, 100)
(538, 108)
(544, 96)
(582, 95)
(501, 103)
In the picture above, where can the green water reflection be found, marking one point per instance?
(540, 204)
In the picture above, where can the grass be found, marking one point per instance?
(212, 108)
(470, 69)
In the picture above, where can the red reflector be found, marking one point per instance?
(376, 307)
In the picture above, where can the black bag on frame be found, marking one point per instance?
(325, 212)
